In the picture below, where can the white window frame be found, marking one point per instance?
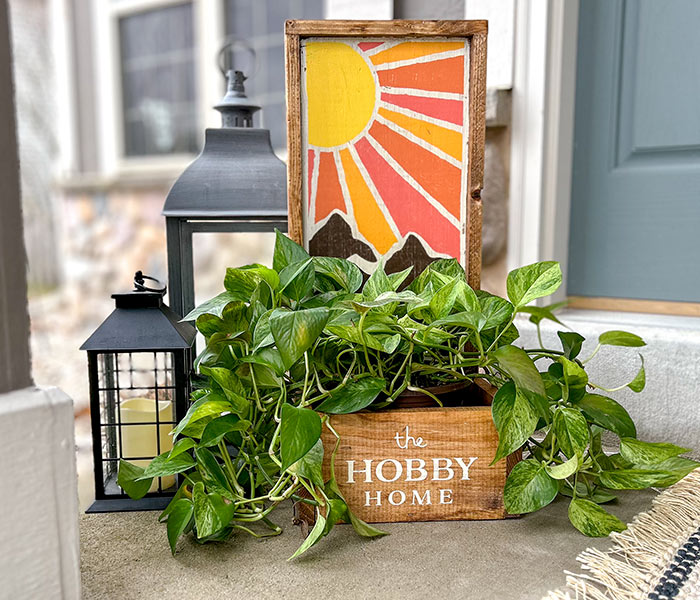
(544, 87)
(208, 36)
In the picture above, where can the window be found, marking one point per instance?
(158, 81)
(262, 25)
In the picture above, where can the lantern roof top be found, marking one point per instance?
(141, 322)
(237, 176)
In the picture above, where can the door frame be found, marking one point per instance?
(544, 89)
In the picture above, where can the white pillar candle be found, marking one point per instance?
(140, 440)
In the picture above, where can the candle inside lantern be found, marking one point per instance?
(140, 440)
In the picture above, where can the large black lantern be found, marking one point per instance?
(236, 184)
(139, 362)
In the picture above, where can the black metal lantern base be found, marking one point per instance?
(128, 505)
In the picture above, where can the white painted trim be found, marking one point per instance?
(499, 58)
(559, 135)
(358, 9)
(175, 163)
(126, 7)
(39, 553)
(60, 23)
(209, 37)
(106, 81)
(542, 131)
(527, 132)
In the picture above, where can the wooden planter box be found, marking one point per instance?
(410, 464)
(419, 464)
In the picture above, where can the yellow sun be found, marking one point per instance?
(340, 91)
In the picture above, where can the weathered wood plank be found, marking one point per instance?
(477, 140)
(419, 464)
(292, 60)
(396, 28)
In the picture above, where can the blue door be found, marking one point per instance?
(635, 214)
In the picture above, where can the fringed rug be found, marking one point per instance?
(656, 558)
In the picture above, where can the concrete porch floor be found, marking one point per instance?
(126, 555)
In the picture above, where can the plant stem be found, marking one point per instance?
(426, 392)
(610, 390)
(543, 351)
(592, 355)
(364, 343)
(229, 467)
(276, 531)
(400, 369)
(306, 377)
(498, 337)
(479, 344)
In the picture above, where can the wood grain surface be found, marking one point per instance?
(452, 438)
(477, 140)
(397, 28)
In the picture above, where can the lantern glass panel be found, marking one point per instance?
(213, 252)
(137, 394)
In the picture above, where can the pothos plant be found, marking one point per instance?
(290, 345)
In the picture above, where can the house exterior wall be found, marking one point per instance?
(14, 319)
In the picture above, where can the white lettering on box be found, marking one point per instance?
(420, 468)
(380, 470)
(418, 499)
(409, 470)
(437, 469)
(445, 496)
(465, 468)
(417, 442)
(367, 471)
(402, 497)
(377, 498)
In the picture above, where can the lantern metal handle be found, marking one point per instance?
(140, 285)
(231, 43)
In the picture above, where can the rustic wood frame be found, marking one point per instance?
(474, 31)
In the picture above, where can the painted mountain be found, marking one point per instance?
(385, 141)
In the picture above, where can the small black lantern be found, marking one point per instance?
(236, 184)
(139, 362)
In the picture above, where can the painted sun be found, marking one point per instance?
(385, 147)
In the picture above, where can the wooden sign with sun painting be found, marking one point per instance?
(385, 132)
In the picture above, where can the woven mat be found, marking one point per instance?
(656, 558)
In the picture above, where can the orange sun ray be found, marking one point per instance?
(329, 195)
(438, 177)
(445, 75)
(409, 50)
(450, 142)
(370, 220)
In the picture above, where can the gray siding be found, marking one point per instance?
(14, 319)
